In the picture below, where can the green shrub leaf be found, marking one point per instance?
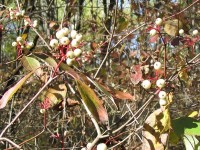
(92, 102)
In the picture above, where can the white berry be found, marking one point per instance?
(64, 41)
(70, 54)
(195, 32)
(10, 9)
(65, 31)
(22, 12)
(59, 34)
(158, 21)
(162, 94)
(70, 61)
(74, 43)
(14, 44)
(42, 111)
(35, 23)
(181, 31)
(26, 23)
(18, 14)
(54, 43)
(77, 52)
(12, 13)
(146, 84)
(29, 45)
(79, 37)
(162, 102)
(160, 83)
(84, 148)
(73, 34)
(152, 32)
(11, 17)
(157, 65)
(19, 39)
(89, 145)
(102, 146)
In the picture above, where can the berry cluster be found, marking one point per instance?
(68, 43)
(15, 13)
(21, 45)
(160, 83)
(159, 22)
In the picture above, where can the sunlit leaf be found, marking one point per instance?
(92, 102)
(156, 130)
(193, 114)
(9, 94)
(24, 36)
(191, 142)
(172, 27)
(186, 125)
(31, 64)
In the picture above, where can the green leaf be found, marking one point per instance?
(186, 125)
(110, 101)
(9, 94)
(191, 142)
(69, 71)
(47, 59)
(92, 102)
(32, 64)
(173, 138)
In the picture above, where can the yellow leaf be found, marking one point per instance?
(193, 114)
(9, 94)
(24, 36)
(172, 27)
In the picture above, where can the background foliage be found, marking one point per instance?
(118, 54)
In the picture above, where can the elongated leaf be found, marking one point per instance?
(69, 71)
(110, 101)
(31, 64)
(191, 142)
(92, 102)
(186, 125)
(47, 59)
(9, 94)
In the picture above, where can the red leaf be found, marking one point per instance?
(154, 38)
(136, 76)
(123, 95)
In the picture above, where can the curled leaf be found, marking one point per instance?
(56, 94)
(156, 130)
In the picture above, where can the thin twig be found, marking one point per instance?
(42, 38)
(109, 44)
(9, 141)
(183, 9)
